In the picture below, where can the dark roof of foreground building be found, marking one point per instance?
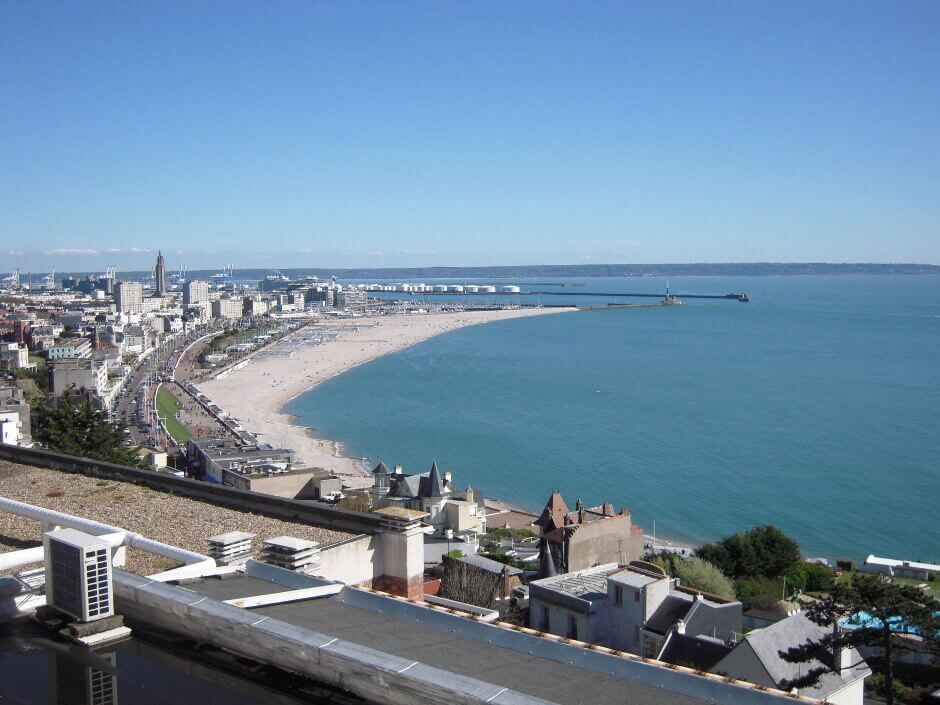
(435, 646)
(445, 641)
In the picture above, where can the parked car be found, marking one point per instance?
(333, 497)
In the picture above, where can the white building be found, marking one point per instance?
(15, 356)
(14, 418)
(900, 569)
(69, 375)
(351, 300)
(431, 492)
(629, 609)
(137, 340)
(195, 292)
(128, 296)
(74, 349)
(227, 308)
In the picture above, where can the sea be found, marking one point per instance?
(814, 407)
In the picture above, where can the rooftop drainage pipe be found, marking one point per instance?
(195, 563)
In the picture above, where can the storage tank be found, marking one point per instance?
(440, 288)
(487, 289)
(511, 289)
(471, 288)
(455, 288)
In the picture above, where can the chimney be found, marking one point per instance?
(843, 660)
(447, 476)
(470, 495)
(680, 627)
(399, 470)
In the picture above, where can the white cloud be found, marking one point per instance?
(15, 253)
(71, 251)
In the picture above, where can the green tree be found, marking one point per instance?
(82, 430)
(764, 551)
(819, 578)
(891, 609)
(695, 573)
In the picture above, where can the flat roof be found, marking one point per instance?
(590, 584)
(894, 563)
(400, 513)
(520, 671)
(234, 586)
(633, 578)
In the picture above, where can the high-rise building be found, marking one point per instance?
(159, 274)
(227, 308)
(195, 292)
(128, 296)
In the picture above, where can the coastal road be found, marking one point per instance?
(160, 362)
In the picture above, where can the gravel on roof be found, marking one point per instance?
(179, 521)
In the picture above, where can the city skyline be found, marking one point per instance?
(346, 135)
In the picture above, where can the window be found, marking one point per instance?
(545, 621)
(636, 634)
(636, 596)
(618, 595)
(572, 627)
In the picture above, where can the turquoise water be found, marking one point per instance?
(814, 407)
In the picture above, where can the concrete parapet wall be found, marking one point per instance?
(370, 674)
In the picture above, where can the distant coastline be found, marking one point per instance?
(552, 271)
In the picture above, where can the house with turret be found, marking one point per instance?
(588, 536)
(431, 492)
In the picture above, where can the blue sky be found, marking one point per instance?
(385, 134)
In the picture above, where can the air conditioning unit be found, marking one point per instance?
(78, 574)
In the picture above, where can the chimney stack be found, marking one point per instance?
(843, 660)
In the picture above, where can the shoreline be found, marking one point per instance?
(257, 394)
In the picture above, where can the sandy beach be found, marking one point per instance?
(257, 393)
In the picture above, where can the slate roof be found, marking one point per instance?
(488, 565)
(720, 621)
(426, 485)
(768, 643)
(435, 485)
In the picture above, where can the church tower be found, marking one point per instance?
(159, 274)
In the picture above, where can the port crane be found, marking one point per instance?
(13, 278)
